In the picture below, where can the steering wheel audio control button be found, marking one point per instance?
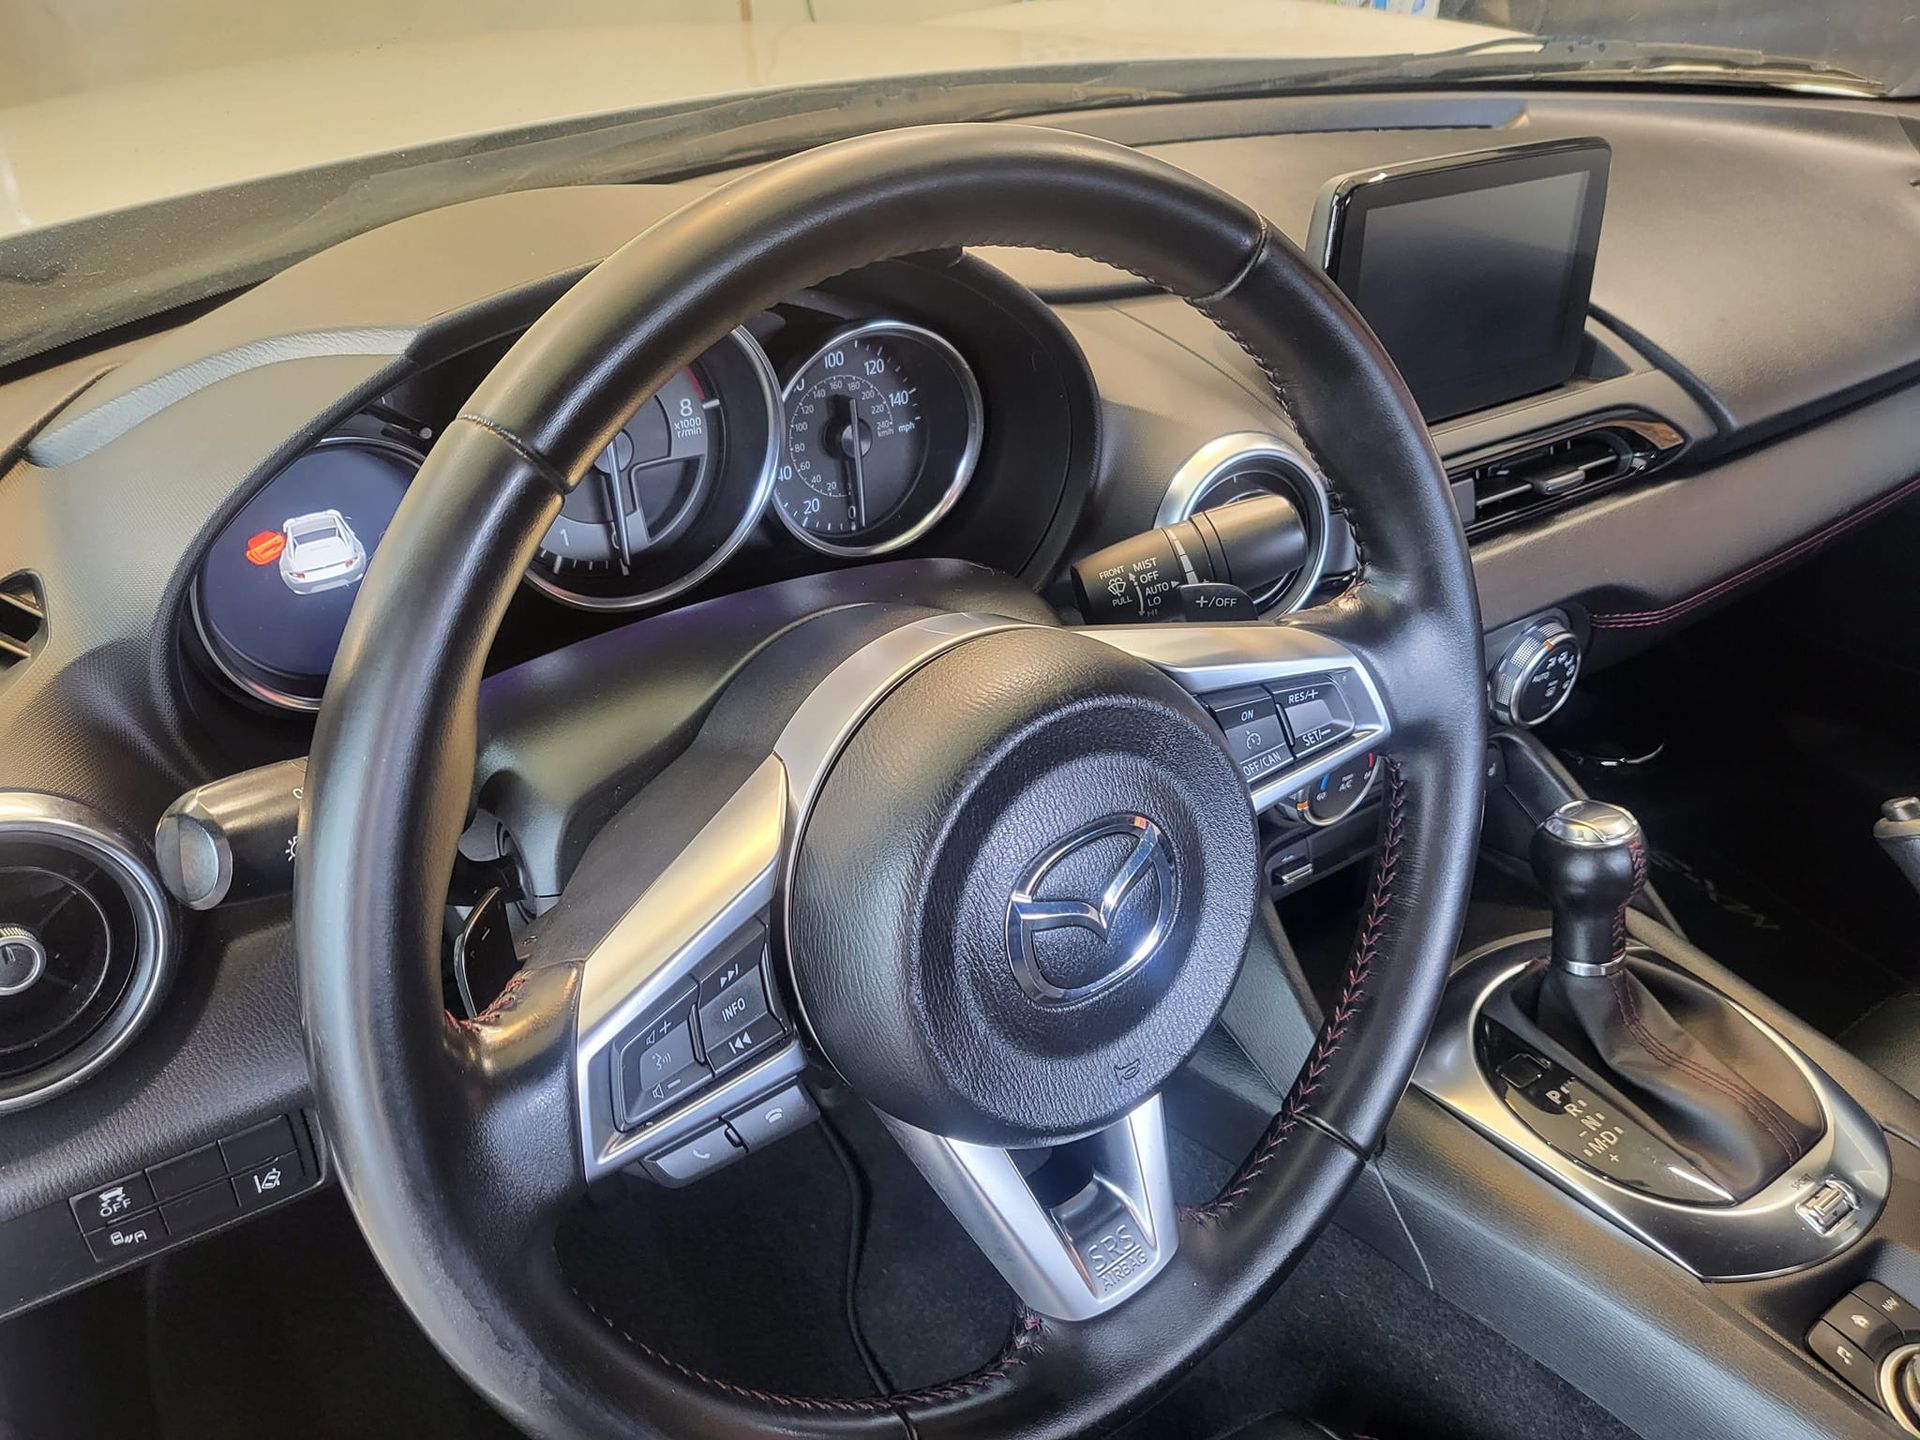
(659, 1065)
(736, 1024)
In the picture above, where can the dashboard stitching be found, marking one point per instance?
(1339, 1020)
(541, 466)
(1641, 619)
(1026, 1335)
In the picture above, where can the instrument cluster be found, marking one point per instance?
(856, 443)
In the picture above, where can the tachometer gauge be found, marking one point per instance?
(883, 429)
(674, 493)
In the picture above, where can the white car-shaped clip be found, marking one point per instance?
(322, 553)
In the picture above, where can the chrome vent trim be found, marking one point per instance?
(118, 859)
(1219, 462)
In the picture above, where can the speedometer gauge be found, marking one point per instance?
(675, 491)
(883, 429)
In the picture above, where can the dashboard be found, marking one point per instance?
(186, 513)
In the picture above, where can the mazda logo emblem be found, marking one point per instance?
(1148, 860)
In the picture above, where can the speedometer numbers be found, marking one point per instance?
(883, 430)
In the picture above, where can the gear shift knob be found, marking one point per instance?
(1591, 860)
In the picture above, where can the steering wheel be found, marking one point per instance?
(1000, 873)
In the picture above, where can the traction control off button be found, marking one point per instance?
(112, 1204)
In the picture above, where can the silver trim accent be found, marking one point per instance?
(1759, 1237)
(1215, 461)
(52, 819)
(25, 944)
(259, 690)
(1890, 1391)
(1041, 1250)
(962, 470)
(749, 515)
(1587, 971)
(1592, 825)
(1524, 655)
(710, 889)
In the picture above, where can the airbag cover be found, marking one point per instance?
(1024, 890)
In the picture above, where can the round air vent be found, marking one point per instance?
(1235, 467)
(85, 944)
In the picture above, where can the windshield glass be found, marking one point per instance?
(152, 155)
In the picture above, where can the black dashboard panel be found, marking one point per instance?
(1767, 248)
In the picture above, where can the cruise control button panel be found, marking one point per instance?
(1250, 720)
(1269, 728)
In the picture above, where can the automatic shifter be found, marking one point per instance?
(1675, 1054)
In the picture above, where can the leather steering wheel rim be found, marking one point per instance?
(456, 1143)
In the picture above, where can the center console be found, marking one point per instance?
(1618, 1155)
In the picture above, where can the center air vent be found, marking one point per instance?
(1553, 471)
(84, 945)
(22, 619)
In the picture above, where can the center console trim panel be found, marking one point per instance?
(1759, 1237)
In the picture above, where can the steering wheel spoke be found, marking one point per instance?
(1075, 1230)
(1294, 701)
(683, 1042)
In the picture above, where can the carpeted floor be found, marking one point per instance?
(288, 1330)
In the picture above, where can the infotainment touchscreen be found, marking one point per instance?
(1474, 270)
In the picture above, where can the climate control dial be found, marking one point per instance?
(1535, 674)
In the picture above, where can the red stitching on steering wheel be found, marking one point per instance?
(1339, 1019)
(1025, 1337)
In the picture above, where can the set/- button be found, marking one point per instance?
(659, 1065)
(1316, 713)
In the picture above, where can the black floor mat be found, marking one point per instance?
(288, 1329)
